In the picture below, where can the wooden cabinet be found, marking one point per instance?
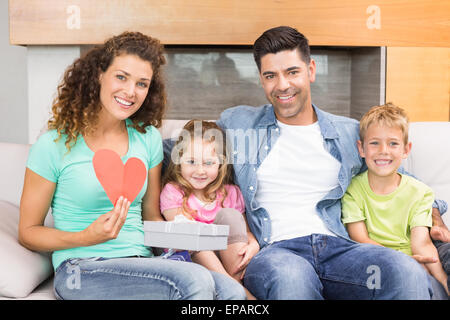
(418, 79)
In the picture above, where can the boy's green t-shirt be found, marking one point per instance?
(389, 218)
(79, 199)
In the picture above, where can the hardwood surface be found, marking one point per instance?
(232, 22)
(418, 79)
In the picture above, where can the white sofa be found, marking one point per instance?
(28, 275)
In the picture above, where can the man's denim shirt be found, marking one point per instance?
(251, 134)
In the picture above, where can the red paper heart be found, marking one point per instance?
(116, 178)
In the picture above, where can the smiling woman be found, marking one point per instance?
(112, 98)
(80, 88)
(124, 86)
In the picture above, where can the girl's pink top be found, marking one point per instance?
(172, 197)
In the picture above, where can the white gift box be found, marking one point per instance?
(195, 236)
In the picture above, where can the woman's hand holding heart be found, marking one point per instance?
(108, 225)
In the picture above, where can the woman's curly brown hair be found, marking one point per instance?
(77, 105)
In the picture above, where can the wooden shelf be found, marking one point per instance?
(412, 23)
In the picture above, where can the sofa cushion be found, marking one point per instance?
(170, 129)
(430, 158)
(24, 269)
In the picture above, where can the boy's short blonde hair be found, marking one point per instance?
(388, 115)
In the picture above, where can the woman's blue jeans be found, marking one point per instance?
(326, 267)
(141, 278)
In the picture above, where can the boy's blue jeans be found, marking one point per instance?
(141, 279)
(326, 267)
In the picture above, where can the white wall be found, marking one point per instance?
(13, 85)
(29, 78)
(46, 66)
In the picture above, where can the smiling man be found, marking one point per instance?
(305, 161)
(286, 82)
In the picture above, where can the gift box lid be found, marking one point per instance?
(191, 228)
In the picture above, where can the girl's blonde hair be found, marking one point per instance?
(209, 132)
(388, 115)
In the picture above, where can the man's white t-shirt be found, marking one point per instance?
(296, 174)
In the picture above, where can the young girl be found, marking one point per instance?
(198, 185)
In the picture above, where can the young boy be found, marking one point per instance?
(382, 206)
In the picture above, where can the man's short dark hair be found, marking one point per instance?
(280, 39)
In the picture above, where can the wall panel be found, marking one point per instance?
(232, 22)
(418, 79)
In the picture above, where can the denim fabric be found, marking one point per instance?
(251, 133)
(439, 292)
(259, 125)
(182, 255)
(141, 278)
(443, 249)
(327, 267)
